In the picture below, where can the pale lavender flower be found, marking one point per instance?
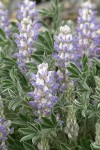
(65, 53)
(28, 27)
(27, 9)
(87, 32)
(4, 20)
(64, 46)
(45, 89)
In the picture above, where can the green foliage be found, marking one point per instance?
(55, 14)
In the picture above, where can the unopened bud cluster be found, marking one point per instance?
(97, 138)
(72, 127)
(43, 145)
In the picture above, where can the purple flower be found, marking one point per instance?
(65, 52)
(28, 27)
(27, 9)
(4, 20)
(44, 93)
(64, 47)
(87, 32)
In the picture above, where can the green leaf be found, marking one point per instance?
(95, 146)
(35, 138)
(49, 40)
(44, 43)
(19, 88)
(18, 122)
(36, 58)
(12, 74)
(2, 34)
(25, 131)
(27, 137)
(14, 104)
(47, 122)
(84, 60)
(97, 61)
(53, 119)
(74, 72)
(24, 118)
(28, 146)
(64, 147)
(75, 68)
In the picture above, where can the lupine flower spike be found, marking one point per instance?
(28, 27)
(64, 47)
(65, 52)
(87, 32)
(45, 88)
(4, 20)
(4, 128)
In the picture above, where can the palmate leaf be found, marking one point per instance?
(14, 104)
(13, 83)
(44, 44)
(47, 122)
(50, 123)
(25, 131)
(75, 71)
(28, 137)
(31, 135)
(22, 120)
(34, 131)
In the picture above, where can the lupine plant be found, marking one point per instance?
(49, 79)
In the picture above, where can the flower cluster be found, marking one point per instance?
(4, 22)
(28, 27)
(45, 88)
(87, 31)
(27, 9)
(4, 128)
(65, 52)
(64, 47)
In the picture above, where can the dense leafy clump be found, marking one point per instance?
(49, 79)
